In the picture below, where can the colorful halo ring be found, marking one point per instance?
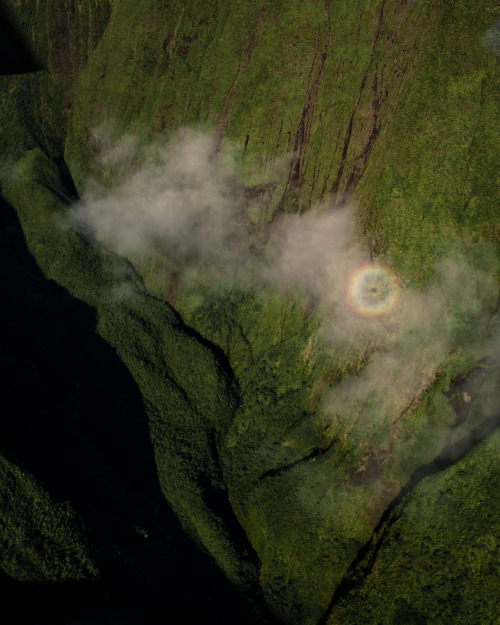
(371, 290)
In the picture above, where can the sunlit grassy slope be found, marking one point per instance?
(395, 101)
(394, 104)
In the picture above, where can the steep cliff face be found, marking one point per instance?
(36, 106)
(300, 464)
(402, 91)
(80, 503)
(62, 35)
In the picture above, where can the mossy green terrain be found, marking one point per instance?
(187, 392)
(396, 102)
(41, 539)
(272, 458)
(447, 525)
(81, 502)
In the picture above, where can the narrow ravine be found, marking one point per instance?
(452, 453)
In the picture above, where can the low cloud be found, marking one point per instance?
(180, 197)
(179, 200)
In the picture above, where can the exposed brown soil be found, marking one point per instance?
(221, 126)
(375, 107)
(305, 125)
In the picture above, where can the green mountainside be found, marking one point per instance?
(194, 426)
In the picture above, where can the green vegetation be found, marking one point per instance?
(360, 122)
(188, 395)
(268, 437)
(41, 539)
(432, 178)
(435, 559)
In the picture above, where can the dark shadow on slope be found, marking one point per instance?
(218, 353)
(461, 393)
(312, 455)
(464, 388)
(71, 414)
(16, 56)
(318, 451)
(67, 179)
(216, 496)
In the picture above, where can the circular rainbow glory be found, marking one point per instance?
(371, 290)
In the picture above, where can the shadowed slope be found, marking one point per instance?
(77, 460)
